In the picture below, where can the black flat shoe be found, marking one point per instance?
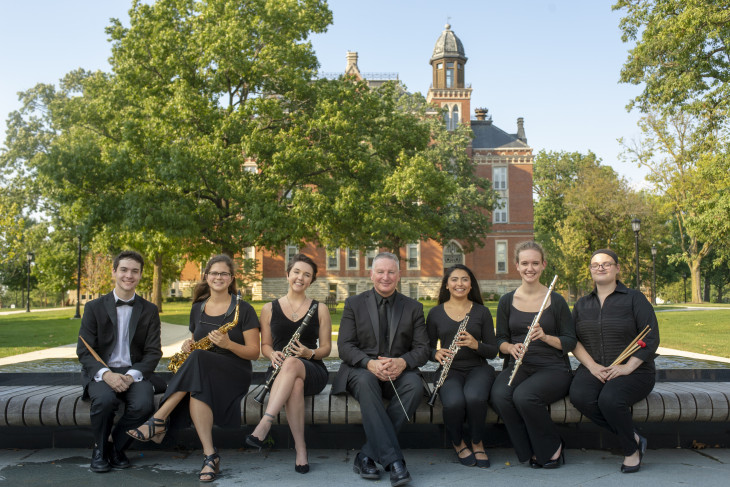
(254, 442)
(558, 461)
(633, 469)
(534, 464)
(468, 461)
(365, 467)
(301, 468)
(99, 462)
(399, 473)
(482, 463)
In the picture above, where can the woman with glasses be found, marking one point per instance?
(303, 373)
(209, 385)
(545, 375)
(465, 392)
(607, 320)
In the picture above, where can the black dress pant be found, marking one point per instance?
(464, 396)
(382, 424)
(139, 405)
(609, 405)
(523, 407)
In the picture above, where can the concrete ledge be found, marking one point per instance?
(53, 406)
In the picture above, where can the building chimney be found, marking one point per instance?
(481, 113)
(352, 69)
(521, 130)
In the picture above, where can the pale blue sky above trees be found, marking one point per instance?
(555, 63)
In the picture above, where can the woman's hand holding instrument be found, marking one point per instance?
(449, 358)
(528, 338)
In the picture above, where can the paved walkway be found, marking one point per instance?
(438, 468)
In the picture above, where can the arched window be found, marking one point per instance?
(453, 254)
(454, 117)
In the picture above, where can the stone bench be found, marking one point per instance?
(669, 402)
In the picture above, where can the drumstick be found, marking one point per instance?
(93, 353)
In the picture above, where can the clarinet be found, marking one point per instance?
(528, 338)
(453, 348)
(287, 353)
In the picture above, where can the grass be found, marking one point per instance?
(693, 331)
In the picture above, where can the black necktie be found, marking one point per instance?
(384, 332)
(125, 303)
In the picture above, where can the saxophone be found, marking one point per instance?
(453, 348)
(287, 352)
(528, 338)
(204, 343)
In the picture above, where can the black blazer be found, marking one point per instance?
(99, 329)
(359, 334)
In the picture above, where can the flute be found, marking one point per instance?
(453, 348)
(287, 353)
(528, 338)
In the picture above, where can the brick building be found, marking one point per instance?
(501, 157)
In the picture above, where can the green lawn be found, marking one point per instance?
(694, 331)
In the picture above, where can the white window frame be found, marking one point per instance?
(249, 252)
(443, 254)
(504, 244)
(501, 215)
(499, 178)
(409, 265)
(369, 257)
(289, 253)
(347, 261)
(336, 253)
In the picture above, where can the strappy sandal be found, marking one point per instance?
(157, 429)
(210, 462)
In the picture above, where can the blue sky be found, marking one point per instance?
(555, 63)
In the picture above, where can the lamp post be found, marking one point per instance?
(29, 257)
(684, 285)
(636, 226)
(78, 283)
(653, 275)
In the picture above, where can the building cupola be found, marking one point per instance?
(448, 61)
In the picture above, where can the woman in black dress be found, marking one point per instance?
(211, 383)
(303, 373)
(465, 392)
(544, 376)
(606, 321)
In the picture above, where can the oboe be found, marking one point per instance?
(528, 338)
(453, 348)
(287, 353)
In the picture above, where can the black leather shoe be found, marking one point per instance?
(117, 459)
(534, 464)
(468, 461)
(99, 463)
(254, 442)
(399, 474)
(628, 469)
(365, 467)
(301, 468)
(641, 444)
(558, 461)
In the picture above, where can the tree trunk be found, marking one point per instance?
(157, 282)
(695, 283)
(719, 293)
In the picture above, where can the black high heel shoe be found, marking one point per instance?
(157, 429)
(558, 461)
(210, 461)
(254, 442)
(534, 464)
(301, 468)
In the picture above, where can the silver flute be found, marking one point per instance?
(528, 338)
(453, 348)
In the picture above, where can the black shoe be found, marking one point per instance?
(534, 464)
(558, 461)
(468, 461)
(117, 459)
(99, 463)
(301, 468)
(254, 442)
(365, 467)
(399, 474)
(482, 463)
(633, 469)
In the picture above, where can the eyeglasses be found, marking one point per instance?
(224, 275)
(604, 265)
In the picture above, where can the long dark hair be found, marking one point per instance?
(202, 290)
(474, 294)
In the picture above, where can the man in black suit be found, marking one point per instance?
(382, 341)
(124, 330)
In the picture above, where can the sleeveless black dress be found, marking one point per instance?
(282, 329)
(217, 377)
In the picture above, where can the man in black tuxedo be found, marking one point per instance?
(124, 330)
(382, 341)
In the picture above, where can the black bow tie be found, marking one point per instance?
(125, 303)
